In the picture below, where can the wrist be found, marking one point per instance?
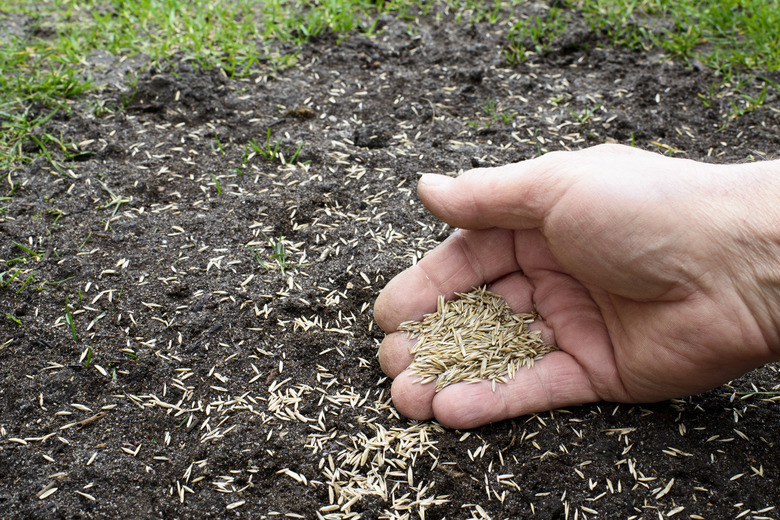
(754, 245)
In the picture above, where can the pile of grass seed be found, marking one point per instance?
(473, 338)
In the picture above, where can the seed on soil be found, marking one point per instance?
(47, 493)
(473, 338)
(236, 504)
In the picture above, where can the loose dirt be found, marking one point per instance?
(221, 361)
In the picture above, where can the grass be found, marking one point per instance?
(258, 257)
(41, 75)
(71, 324)
(271, 150)
(6, 283)
(216, 183)
(492, 113)
(14, 319)
(535, 34)
(279, 254)
(115, 201)
(13, 271)
(43, 70)
(584, 116)
(726, 35)
(29, 251)
(19, 260)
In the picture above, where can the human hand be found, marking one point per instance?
(655, 277)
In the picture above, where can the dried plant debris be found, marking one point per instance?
(472, 338)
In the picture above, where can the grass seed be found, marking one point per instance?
(472, 338)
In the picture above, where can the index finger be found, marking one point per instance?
(466, 259)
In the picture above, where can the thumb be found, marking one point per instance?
(514, 196)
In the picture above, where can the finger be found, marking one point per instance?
(520, 195)
(411, 398)
(516, 290)
(394, 353)
(515, 196)
(532, 252)
(465, 260)
(555, 381)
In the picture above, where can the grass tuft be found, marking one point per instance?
(279, 254)
(535, 34)
(71, 324)
(216, 183)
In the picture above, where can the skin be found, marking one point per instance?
(656, 278)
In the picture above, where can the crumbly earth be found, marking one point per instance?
(222, 357)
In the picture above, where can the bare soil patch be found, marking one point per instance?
(222, 359)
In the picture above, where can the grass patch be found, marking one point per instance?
(535, 34)
(43, 62)
(44, 70)
(271, 150)
(726, 35)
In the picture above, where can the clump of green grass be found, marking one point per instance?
(32, 76)
(71, 323)
(726, 35)
(739, 39)
(535, 34)
(12, 274)
(494, 113)
(583, 117)
(271, 150)
(279, 254)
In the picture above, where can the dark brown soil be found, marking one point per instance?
(220, 386)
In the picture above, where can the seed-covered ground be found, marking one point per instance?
(187, 325)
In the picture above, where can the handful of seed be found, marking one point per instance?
(472, 338)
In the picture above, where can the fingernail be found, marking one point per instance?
(433, 180)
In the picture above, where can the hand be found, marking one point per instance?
(655, 277)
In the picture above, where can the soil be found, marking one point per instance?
(221, 361)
